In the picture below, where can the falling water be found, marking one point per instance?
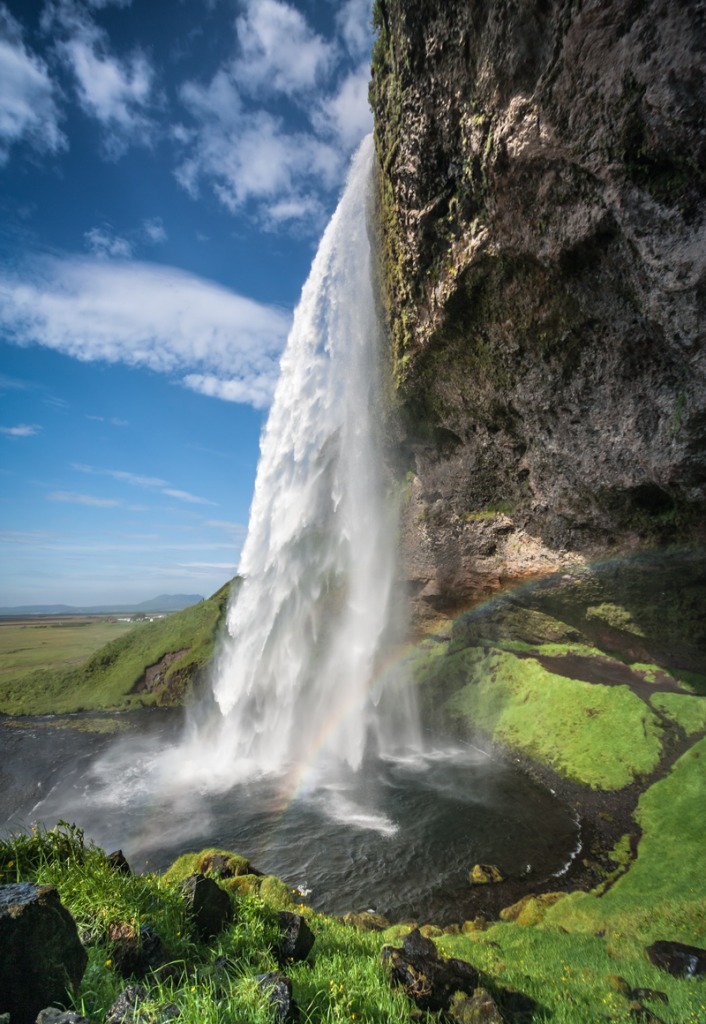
(298, 682)
(306, 757)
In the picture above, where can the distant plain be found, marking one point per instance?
(53, 642)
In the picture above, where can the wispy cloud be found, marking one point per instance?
(21, 430)
(146, 315)
(73, 498)
(192, 499)
(279, 52)
(114, 421)
(28, 107)
(118, 92)
(234, 139)
(118, 474)
(154, 231)
(102, 242)
(149, 482)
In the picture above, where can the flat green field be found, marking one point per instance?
(52, 642)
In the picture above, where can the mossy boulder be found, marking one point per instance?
(485, 874)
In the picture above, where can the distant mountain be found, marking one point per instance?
(163, 603)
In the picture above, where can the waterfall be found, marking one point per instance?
(299, 682)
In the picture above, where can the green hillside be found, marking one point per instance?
(156, 662)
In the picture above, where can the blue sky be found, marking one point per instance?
(167, 168)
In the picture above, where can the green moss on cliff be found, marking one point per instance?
(600, 736)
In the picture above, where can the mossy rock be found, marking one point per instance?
(478, 924)
(275, 893)
(367, 921)
(485, 874)
(531, 910)
(222, 863)
(244, 885)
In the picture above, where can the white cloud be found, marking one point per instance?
(192, 499)
(154, 230)
(355, 26)
(102, 243)
(145, 315)
(118, 474)
(149, 482)
(279, 52)
(347, 114)
(118, 91)
(257, 391)
(72, 498)
(21, 430)
(234, 139)
(250, 157)
(28, 109)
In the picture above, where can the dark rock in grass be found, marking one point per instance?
(124, 1009)
(118, 861)
(297, 937)
(480, 1008)
(41, 957)
(649, 993)
(279, 988)
(427, 978)
(53, 1016)
(678, 959)
(640, 1013)
(135, 953)
(208, 904)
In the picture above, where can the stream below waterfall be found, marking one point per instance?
(398, 837)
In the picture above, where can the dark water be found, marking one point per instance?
(396, 837)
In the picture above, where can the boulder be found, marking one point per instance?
(427, 978)
(297, 937)
(678, 959)
(124, 1009)
(485, 874)
(367, 921)
(480, 1008)
(135, 953)
(117, 860)
(279, 988)
(208, 904)
(53, 1016)
(41, 957)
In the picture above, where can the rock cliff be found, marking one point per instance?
(542, 176)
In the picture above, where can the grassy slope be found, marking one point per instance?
(577, 963)
(107, 679)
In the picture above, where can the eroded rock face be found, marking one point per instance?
(542, 171)
(41, 957)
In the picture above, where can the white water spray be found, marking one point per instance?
(296, 681)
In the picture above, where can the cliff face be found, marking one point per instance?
(542, 186)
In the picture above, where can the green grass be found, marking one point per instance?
(600, 736)
(662, 895)
(29, 646)
(342, 981)
(106, 680)
(688, 711)
(578, 964)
